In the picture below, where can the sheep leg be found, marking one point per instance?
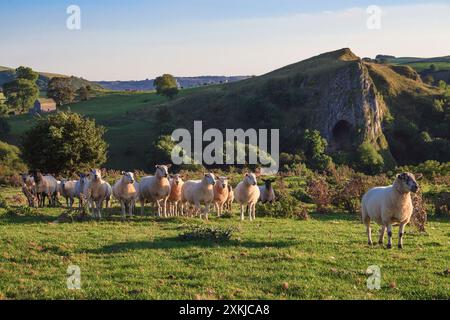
(122, 204)
(389, 230)
(254, 211)
(382, 231)
(207, 210)
(401, 232)
(142, 201)
(242, 212)
(159, 208)
(249, 209)
(369, 233)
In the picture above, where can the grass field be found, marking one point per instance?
(325, 257)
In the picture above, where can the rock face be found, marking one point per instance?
(350, 112)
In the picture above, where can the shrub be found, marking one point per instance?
(369, 160)
(286, 206)
(21, 211)
(65, 143)
(441, 203)
(208, 233)
(314, 147)
(319, 191)
(10, 162)
(419, 216)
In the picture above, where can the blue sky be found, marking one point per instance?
(138, 39)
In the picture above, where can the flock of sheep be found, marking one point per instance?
(171, 195)
(386, 206)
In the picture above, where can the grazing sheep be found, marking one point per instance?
(126, 192)
(247, 194)
(197, 192)
(389, 205)
(156, 189)
(29, 189)
(176, 184)
(267, 192)
(98, 191)
(45, 186)
(230, 199)
(220, 194)
(67, 189)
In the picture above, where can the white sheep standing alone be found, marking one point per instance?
(247, 194)
(197, 192)
(125, 190)
(389, 205)
(156, 189)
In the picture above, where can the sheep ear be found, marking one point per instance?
(122, 172)
(169, 166)
(419, 176)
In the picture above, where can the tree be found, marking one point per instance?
(314, 147)
(60, 90)
(83, 94)
(370, 161)
(27, 74)
(166, 85)
(64, 143)
(20, 94)
(10, 162)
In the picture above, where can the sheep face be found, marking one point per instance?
(162, 171)
(84, 179)
(407, 182)
(223, 182)
(96, 174)
(128, 177)
(268, 183)
(177, 179)
(250, 179)
(210, 178)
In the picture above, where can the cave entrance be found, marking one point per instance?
(342, 135)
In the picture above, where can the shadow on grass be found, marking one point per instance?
(335, 216)
(176, 243)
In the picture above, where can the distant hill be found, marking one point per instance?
(438, 67)
(349, 100)
(9, 74)
(185, 82)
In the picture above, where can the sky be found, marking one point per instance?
(140, 39)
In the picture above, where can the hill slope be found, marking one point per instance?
(348, 100)
(438, 67)
(8, 75)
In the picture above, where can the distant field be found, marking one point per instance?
(422, 66)
(130, 129)
(322, 258)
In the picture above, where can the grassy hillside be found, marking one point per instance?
(423, 66)
(129, 135)
(325, 257)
